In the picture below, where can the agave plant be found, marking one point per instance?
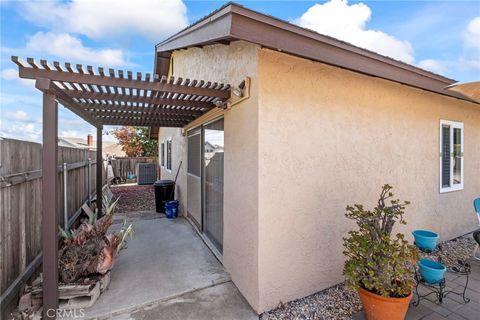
(89, 249)
(116, 242)
(125, 232)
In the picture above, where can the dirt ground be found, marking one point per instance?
(134, 198)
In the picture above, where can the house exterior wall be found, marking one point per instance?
(228, 64)
(311, 139)
(329, 137)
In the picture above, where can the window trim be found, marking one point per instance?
(169, 139)
(453, 125)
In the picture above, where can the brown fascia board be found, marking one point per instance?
(235, 22)
(214, 27)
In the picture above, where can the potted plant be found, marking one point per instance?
(379, 265)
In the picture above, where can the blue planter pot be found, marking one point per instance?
(425, 240)
(432, 272)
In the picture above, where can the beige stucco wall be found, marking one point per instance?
(229, 64)
(179, 154)
(330, 137)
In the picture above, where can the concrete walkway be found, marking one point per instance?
(167, 272)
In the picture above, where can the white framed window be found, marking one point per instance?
(168, 153)
(451, 156)
(162, 154)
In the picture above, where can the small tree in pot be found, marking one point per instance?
(380, 266)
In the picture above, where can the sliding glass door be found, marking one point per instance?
(213, 157)
(205, 180)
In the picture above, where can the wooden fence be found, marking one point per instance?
(124, 166)
(21, 204)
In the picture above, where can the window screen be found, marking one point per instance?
(169, 154)
(162, 154)
(446, 156)
(194, 154)
(457, 156)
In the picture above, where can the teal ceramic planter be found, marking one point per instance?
(425, 240)
(432, 272)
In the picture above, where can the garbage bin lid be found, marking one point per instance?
(162, 183)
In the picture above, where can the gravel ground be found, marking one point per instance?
(451, 251)
(134, 198)
(337, 302)
(340, 303)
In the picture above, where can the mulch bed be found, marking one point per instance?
(134, 198)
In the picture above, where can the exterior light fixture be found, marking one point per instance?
(238, 91)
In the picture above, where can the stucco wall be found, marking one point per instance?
(330, 137)
(179, 154)
(229, 64)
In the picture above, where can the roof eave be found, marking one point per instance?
(216, 26)
(234, 22)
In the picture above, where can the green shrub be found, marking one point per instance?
(376, 260)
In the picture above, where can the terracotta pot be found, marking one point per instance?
(380, 308)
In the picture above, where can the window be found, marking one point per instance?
(162, 154)
(169, 154)
(451, 156)
(194, 153)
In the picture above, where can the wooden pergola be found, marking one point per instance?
(104, 98)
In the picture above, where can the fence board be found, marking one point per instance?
(20, 203)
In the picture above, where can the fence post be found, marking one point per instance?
(89, 173)
(65, 197)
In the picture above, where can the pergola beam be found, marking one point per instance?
(140, 117)
(135, 122)
(47, 86)
(103, 96)
(99, 80)
(101, 110)
(148, 116)
(143, 123)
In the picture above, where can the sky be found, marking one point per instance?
(440, 36)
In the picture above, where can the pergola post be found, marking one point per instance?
(99, 171)
(50, 206)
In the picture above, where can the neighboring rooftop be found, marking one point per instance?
(109, 147)
(234, 22)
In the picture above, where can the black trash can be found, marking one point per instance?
(164, 191)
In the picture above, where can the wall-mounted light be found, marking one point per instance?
(238, 94)
(220, 104)
(238, 91)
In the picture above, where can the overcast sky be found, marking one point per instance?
(441, 36)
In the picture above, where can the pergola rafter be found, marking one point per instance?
(104, 98)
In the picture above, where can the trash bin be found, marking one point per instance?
(164, 191)
(171, 209)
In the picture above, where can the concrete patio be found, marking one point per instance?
(167, 272)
